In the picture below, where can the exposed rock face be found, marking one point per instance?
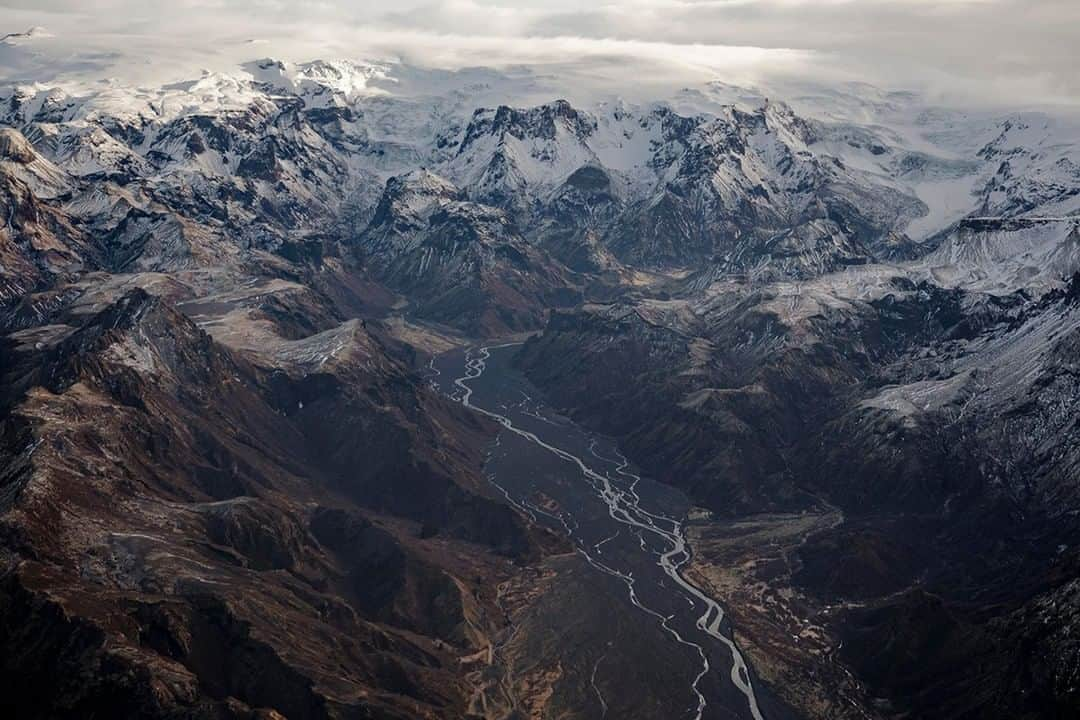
(403, 212)
(573, 222)
(227, 491)
(293, 163)
(16, 148)
(459, 262)
(745, 189)
(39, 243)
(936, 420)
(185, 539)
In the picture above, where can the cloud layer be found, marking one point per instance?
(992, 52)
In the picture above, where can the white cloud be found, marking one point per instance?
(1008, 52)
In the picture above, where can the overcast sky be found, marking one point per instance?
(1000, 52)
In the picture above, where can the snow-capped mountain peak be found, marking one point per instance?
(321, 82)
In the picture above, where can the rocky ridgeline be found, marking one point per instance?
(225, 486)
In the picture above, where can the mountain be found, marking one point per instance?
(744, 189)
(205, 531)
(267, 156)
(460, 262)
(840, 332)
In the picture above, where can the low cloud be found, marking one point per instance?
(992, 52)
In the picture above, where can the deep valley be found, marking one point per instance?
(367, 390)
